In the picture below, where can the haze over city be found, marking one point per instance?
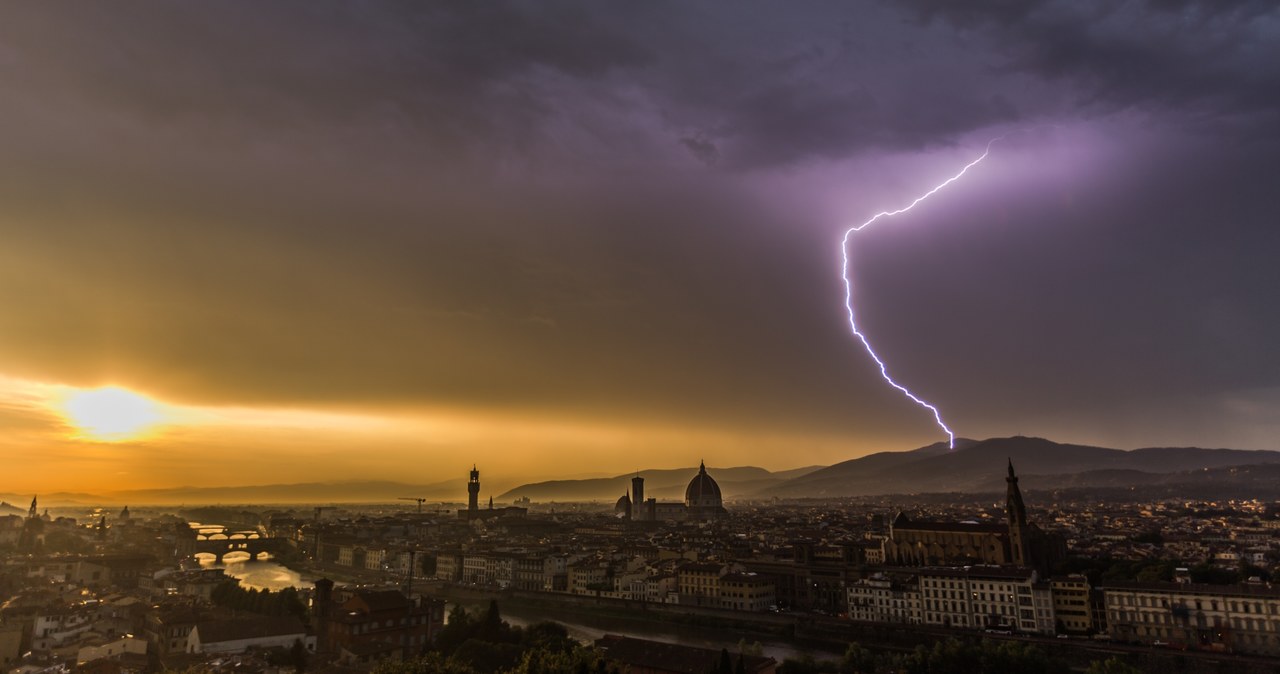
(293, 242)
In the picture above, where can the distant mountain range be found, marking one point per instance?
(666, 484)
(979, 466)
(973, 466)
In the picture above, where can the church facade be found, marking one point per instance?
(1016, 542)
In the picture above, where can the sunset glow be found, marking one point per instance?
(302, 243)
(111, 414)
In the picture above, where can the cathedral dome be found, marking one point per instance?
(702, 490)
(623, 506)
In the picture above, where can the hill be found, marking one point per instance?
(668, 484)
(978, 466)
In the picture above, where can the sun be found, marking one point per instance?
(111, 414)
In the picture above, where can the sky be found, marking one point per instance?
(329, 241)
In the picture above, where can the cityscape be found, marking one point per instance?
(652, 338)
(1153, 579)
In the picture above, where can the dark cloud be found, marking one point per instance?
(510, 205)
(1203, 59)
(702, 149)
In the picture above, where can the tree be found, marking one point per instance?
(490, 628)
(552, 637)
(807, 664)
(858, 659)
(431, 663)
(726, 665)
(487, 656)
(1112, 665)
(577, 660)
(298, 656)
(458, 629)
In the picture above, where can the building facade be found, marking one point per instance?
(986, 597)
(1232, 618)
(882, 599)
(1071, 604)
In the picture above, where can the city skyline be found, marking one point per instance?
(334, 242)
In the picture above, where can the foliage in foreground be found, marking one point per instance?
(263, 602)
(482, 644)
(948, 657)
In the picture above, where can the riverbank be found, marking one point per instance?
(785, 636)
(587, 621)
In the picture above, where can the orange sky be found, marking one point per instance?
(223, 445)
(354, 241)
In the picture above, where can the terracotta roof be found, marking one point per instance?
(971, 527)
(383, 600)
(702, 485)
(247, 628)
(702, 567)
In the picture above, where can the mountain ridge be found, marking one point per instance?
(974, 465)
(662, 483)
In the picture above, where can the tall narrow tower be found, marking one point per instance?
(638, 509)
(1017, 514)
(473, 492)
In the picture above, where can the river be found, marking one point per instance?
(261, 574)
(685, 635)
(271, 575)
(254, 574)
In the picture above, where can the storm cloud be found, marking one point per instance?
(628, 214)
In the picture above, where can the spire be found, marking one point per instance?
(702, 466)
(1016, 513)
(33, 512)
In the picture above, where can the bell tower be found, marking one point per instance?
(473, 492)
(1016, 511)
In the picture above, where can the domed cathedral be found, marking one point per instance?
(702, 501)
(623, 507)
(702, 496)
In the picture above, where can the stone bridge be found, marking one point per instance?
(220, 541)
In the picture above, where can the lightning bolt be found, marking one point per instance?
(848, 290)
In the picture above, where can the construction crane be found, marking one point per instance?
(420, 501)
